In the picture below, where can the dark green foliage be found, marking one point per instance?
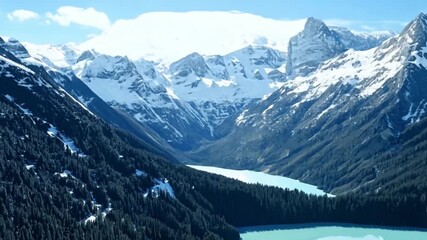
(410, 177)
(36, 202)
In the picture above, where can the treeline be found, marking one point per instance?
(249, 205)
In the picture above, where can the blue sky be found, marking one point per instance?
(43, 22)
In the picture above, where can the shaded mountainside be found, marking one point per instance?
(80, 91)
(330, 127)
(195, 99)
(72, 169)
(183, 105)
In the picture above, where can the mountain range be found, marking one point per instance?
(355, 106)
(91, 140)
(240, 104)
(257, 107)
(194, 99)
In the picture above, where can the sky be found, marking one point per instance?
(61, 21)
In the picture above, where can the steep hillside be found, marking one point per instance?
(328, 127)
(64, 55)
(195, 99)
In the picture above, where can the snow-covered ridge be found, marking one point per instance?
(318, 42)
(54, 55)
(7, 62)
(248, 73)
(186, 101)
(366, 70)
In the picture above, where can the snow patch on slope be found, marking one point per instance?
(366, 70)
(163, 186)
(68, 142)
(8, 62)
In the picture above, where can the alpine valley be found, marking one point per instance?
(93, 145)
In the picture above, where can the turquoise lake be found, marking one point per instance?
(330, 232)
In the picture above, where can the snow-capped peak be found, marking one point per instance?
(366, 70)
(193, 63)
(416, 30)
(316, 43)
(315, 26)
(56, 56)
(87, 55)
(248, 73)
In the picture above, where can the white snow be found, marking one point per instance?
(171, 93)
(8, 62)
(332, 106)
(275, 85)
(52, 131)
(92, 218)
(420, 61)
(225, 83)
(56, 56)
(264, 113)
(234, 77)
(409, 114)
(163, 186)
(64, 174)
(241, 118)
(148, 89)
(366, 70)
(24, 110)
(140, 173)
(414, 115)
(84, 101)
(253, 177)
(77, 101)
(29, 166)
(173, 35)
(106, 211)
(8, 97)
(68, 142)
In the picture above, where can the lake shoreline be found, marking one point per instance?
(265, 228)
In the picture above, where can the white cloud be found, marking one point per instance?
(366, 25)
(392, 22)
(339, 22)
(368, 28)
(168, 36)
(21, 15)
(90, 17)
